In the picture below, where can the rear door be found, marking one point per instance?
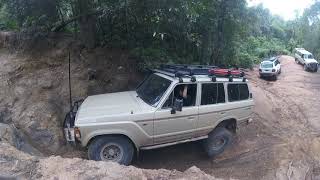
(212, 107)
(240, 102)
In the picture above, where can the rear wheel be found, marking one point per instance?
(297, 61)
(218, 141)
(305, 67)
(111, 148)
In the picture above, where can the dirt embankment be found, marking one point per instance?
(34, 95)
(16, 164)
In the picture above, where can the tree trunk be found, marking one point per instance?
(217, 55)
(87, 23)
(205, 54)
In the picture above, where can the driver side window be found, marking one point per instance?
(185, 92)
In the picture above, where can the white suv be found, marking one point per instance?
(270, 68)
(171, 106)
(305, 58)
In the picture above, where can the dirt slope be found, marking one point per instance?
(34, 84)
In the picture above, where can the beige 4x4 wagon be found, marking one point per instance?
(169, 107)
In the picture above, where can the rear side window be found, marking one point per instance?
(212, 93)
(238, 92)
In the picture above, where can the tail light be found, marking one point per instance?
(273, 70)
(77, 133)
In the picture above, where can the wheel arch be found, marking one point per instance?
(136, 149)
(230, 124)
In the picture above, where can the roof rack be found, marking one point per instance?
(187, 70)
(191, 71)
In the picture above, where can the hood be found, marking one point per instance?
(99, 106)
(311, 61)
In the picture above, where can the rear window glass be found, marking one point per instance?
(212, 93)
(267, 65)
(238, 92)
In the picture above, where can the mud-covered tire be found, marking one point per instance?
(260, 76)
(98, 149)
(218, 140)
(305, 68)
(296, 60)
(275, 77)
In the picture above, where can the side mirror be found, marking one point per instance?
(177, 106)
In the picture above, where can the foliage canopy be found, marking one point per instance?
(224, 33)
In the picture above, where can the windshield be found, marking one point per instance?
(267, 65)
(308, 56)
(153, 88)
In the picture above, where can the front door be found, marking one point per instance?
(170, 127)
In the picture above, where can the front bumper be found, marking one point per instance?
(69, 127)
(69, 123)
(313, 66)
(267, 74)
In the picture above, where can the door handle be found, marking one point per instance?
(191, 118)
(222, 113)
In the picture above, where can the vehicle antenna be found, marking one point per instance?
(70, 95)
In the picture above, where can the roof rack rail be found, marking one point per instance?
(187, 70)
(190, 71)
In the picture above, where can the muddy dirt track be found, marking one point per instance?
(283, 141)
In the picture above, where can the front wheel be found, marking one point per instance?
(111, 148)
(275, 77)
(218, 140)
(260, 76)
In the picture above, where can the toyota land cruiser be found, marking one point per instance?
(175, 104)
(306, 59)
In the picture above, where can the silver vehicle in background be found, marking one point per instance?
(306, 58)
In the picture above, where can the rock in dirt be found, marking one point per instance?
(10, 134)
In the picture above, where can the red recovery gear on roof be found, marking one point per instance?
(225, 72)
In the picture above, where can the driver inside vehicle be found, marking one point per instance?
(184, 92)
